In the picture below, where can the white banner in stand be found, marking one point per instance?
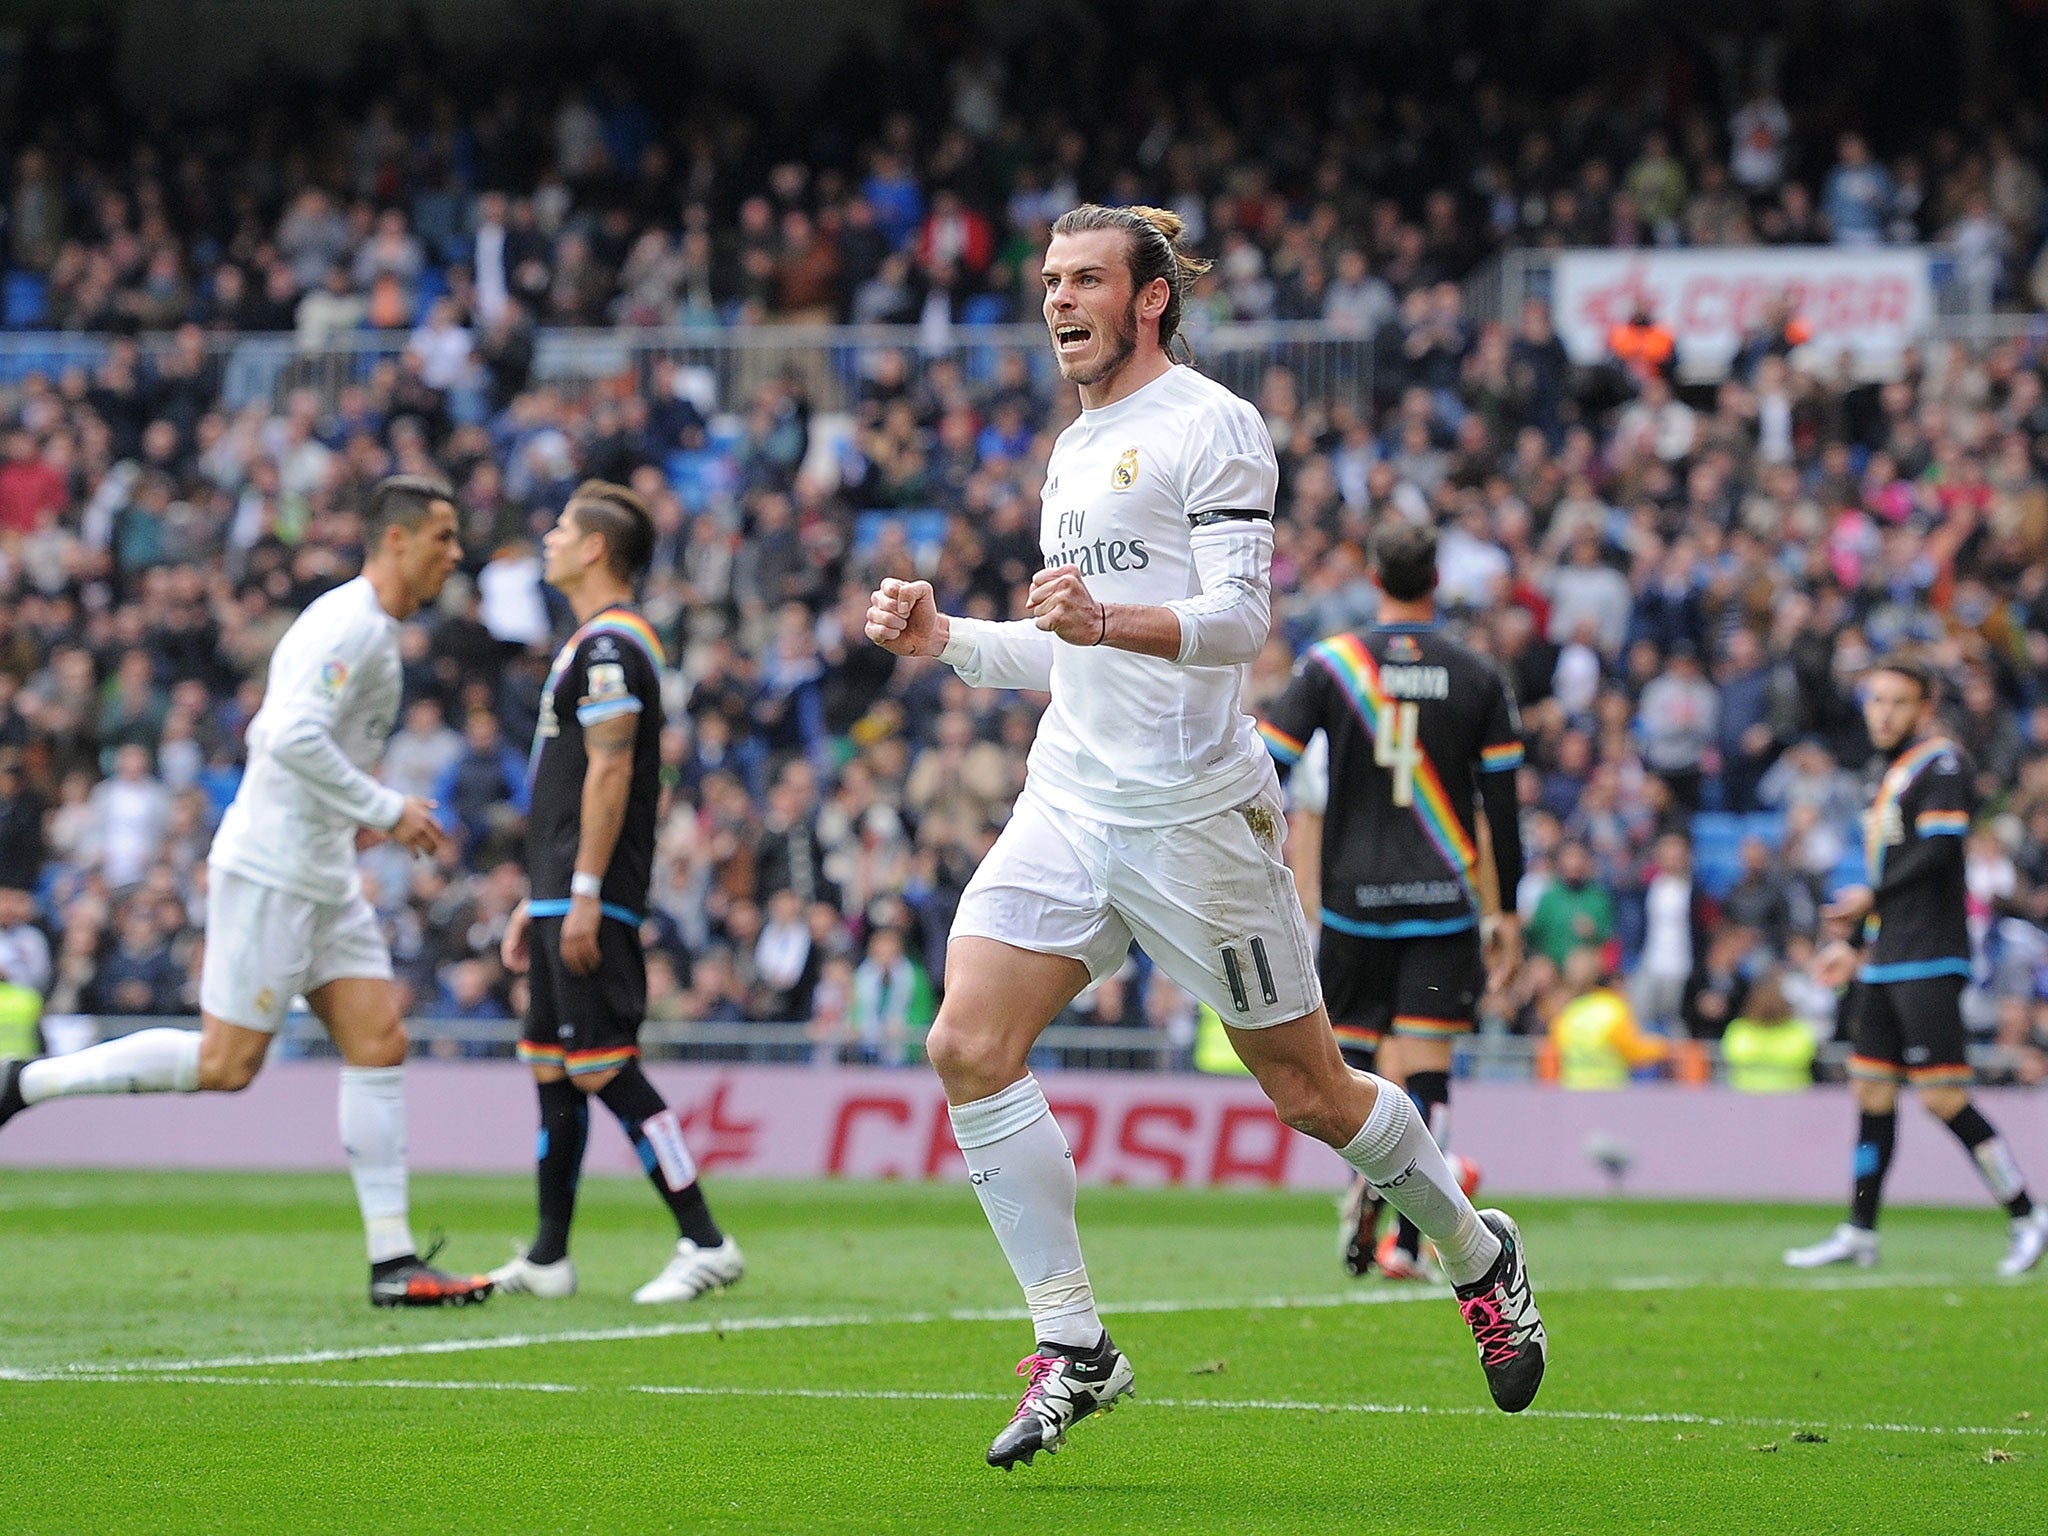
(1870, 303)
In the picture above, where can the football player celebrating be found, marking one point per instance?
(1151, 812)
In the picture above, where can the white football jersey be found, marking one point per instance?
(1135, 740)
(330, 702)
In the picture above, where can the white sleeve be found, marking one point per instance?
(1227, 623)
(304, 743)
(1229, 482)
(1229, 465)
(1015, 654)
(1308, 783)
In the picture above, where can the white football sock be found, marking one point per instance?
(1394, 1151)
(373, 1136)
(148, 1061)
(1018, 1159)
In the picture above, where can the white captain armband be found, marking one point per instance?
(606, 694)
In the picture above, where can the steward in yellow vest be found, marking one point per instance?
(1598, 1044)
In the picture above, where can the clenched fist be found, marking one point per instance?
(904, 618)
(1061, 602)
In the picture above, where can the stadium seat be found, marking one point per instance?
(24, 300)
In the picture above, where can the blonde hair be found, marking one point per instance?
(1153, 251)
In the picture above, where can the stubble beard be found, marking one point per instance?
(1123, 343)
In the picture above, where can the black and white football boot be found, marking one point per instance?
(1501, 1312)
(1063, 1386)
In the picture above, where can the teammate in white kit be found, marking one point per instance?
(285, 912)
(1152, 811)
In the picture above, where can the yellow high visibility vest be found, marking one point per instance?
(20, 1008)
(1768, 1057)
(1213, 1052)
(1587, 1032)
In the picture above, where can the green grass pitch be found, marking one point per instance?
(194, 1352)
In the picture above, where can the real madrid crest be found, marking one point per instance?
(1125, 475)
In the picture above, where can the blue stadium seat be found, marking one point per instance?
(924, 529)
(24, 300)
(696, 476)
(1717, 850)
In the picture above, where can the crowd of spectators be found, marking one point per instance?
(1683, 584)
(1328, 183)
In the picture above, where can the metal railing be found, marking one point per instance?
(1487, 1056)
(721, 369)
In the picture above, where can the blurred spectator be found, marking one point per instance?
(1574, 911)
(892, 1002)
(484, 790)
(139, 975)
(129, 813)
(1598, 1045)
(1677, 920)
(24, 949)
(1857, 199)
(1767, 1049)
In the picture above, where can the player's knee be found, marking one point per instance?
(974, 1062)
(1945, 1103)
(221, 1072)
(1873, 1097)
(384, 1047)
(1306, 1105)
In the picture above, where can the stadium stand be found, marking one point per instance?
(209, 357)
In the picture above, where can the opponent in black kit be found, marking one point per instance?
(595, 775)
(1907, 1014)
(1420, 731)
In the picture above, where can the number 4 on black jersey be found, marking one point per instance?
(1419, 729)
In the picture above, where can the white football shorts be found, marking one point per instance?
(1209, 900)
(265, 946)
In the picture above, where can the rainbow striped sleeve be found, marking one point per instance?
(1942, 823)
(1499, 759)
(1283, 746)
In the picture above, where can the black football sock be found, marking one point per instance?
(1994, 1160)
(657, 1136)
(1875, 1137)
(1431, 1092)
(558, 1166)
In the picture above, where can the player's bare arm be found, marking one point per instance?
(1303, 856)
(607, 782)
(1061, 603)
(512, 948)
(418, 830)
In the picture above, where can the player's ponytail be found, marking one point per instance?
(1154, 251)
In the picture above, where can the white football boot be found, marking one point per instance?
(1845, 1245)
(520, 1276)
(693, 1271)
(2029, 1242)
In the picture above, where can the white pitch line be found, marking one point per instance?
(1198, 1404)
(632, 1332)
